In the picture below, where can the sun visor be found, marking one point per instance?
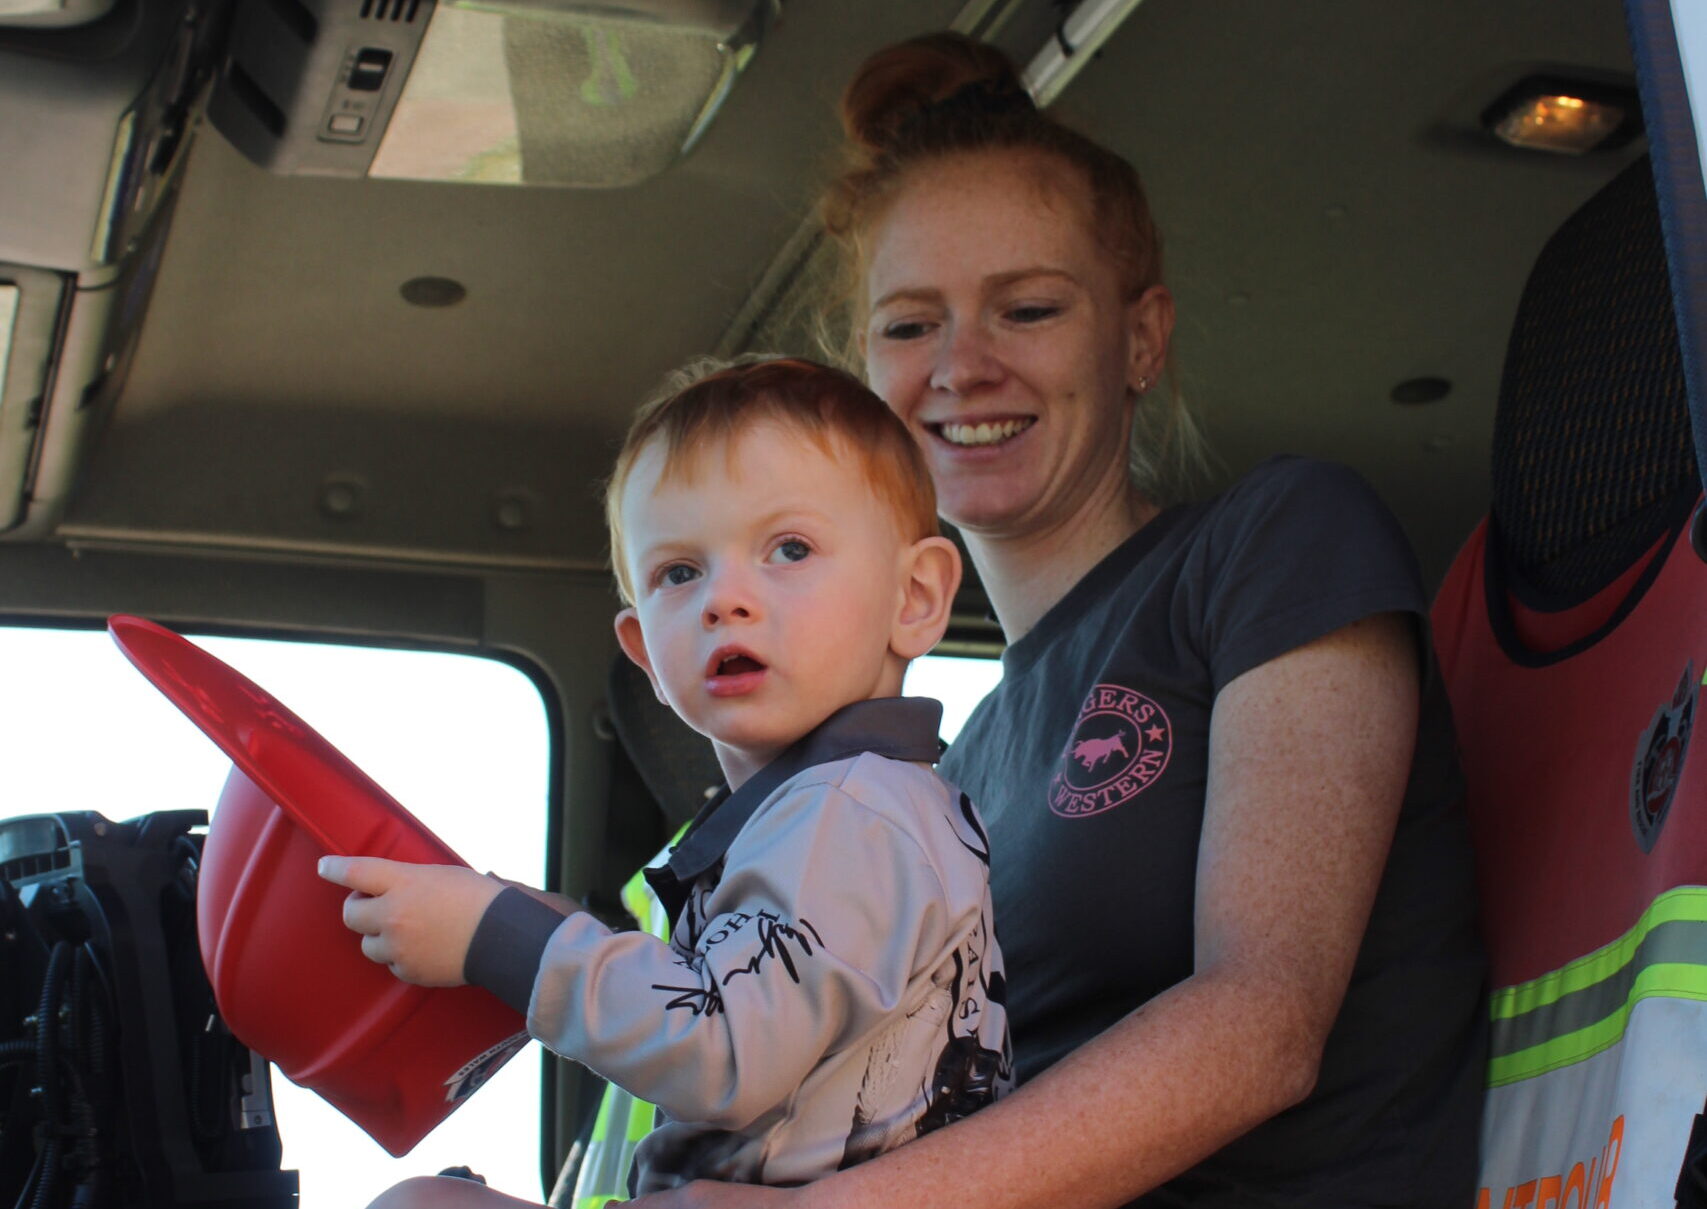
(531, 92)
(289, 978)
(52, 14)
(94, 121)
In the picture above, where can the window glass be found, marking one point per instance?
(958, 683)
(463, 742)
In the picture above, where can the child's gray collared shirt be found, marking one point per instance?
(832, 987)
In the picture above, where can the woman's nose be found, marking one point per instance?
(965, 361)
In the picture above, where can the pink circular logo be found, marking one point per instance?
(1118, 748)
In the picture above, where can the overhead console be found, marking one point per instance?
(96, 101)
(588, 93)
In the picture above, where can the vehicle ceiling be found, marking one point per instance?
(1335, 222)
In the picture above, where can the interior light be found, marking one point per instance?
(594, 95)
(1563, 117)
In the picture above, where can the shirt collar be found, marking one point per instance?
(901, 728)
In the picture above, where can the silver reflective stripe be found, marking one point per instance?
(1677, 942)
(604, 1172)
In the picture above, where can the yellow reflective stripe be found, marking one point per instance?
(1582, 1009)
(642, 1118)
(1685, 903)
(1673, 981)
(595, 1202)
(601, 1123)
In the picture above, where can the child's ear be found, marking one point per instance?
(633, 644)
(930, 574)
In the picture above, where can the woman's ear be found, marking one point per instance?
(1149, 328)
(633, 643)
(930, 575)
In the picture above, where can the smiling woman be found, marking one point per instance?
(1227, 849)
(1021, 360)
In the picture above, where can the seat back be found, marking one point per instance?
(1572, 632)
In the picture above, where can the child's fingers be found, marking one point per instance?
(368, 874)
(364, 914)
(378, 949)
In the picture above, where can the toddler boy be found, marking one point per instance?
(832, 986)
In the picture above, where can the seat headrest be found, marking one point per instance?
(677, 764)
(1592, 447)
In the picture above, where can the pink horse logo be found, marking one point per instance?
(1091, 752)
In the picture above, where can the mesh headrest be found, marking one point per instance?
(1592, 446)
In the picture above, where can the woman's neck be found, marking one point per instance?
(1026, 574)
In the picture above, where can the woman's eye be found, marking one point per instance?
(1034, 312)
(677, 574)
(791, 551)
(905, 329)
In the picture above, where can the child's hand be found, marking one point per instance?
(418, 920)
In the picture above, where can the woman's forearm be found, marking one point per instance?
(1168, 1085)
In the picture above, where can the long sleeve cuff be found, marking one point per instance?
(505, 953)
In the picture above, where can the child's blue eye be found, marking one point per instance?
(677, 574)
(791, 551)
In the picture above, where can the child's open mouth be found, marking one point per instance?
(732, 671)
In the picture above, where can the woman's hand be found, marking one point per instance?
(418, 920)
(708, 1194)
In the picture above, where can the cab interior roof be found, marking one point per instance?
(1335, 223)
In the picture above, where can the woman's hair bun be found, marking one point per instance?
(900, 83)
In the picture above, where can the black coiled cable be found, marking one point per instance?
(47, 1072)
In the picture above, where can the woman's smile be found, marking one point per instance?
(976, 434)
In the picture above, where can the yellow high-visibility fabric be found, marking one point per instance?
(623, 1119)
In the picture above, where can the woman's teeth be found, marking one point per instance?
(983, 434)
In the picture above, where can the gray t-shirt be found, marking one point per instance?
(1089, 762)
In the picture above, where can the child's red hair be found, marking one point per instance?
(712, 402)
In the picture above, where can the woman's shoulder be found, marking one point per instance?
(1289, 499)
(1295, 478)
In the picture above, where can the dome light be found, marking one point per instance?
(1564, 117)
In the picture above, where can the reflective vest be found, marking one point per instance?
(623, 1118)
(1588, 800)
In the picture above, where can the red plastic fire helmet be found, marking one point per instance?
(289, 977)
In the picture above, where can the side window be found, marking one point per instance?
(463, 742)
(958, 682)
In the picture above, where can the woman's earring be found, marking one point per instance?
(1143, 384)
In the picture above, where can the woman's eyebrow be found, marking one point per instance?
(996, 281)
(911, 293)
